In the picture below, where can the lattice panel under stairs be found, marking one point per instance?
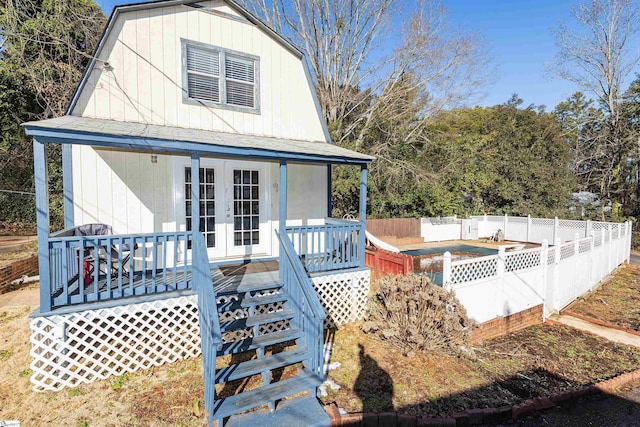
(75, 348)
(243, 313)
(343, 296)
(71, 349)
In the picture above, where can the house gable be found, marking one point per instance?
(138, 75)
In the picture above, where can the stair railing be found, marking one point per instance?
(311, 314)
(209, 320)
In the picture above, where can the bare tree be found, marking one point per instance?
(358, 59)
(597, 54)
(338, 37)
(448, 66)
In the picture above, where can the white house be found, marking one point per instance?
(174, 87)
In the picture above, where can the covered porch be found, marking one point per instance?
(77, 270)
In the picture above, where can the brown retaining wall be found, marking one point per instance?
(505, 325)
(15, 270)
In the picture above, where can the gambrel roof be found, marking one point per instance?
(248, 16)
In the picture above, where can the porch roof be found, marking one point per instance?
(169, 139)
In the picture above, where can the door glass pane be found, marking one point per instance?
(246, 209)
(207, 204)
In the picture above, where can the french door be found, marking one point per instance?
(233, 207)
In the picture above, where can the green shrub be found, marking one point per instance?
(413, 314)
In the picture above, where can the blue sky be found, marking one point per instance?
(522, 44)
(519, 33)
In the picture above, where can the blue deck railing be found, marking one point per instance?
(336, 245)
(97, 268)
(304, 300)
(209, 320)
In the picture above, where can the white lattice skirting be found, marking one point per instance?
(71, 349)
(343, 296)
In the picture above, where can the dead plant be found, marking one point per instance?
(413, 314)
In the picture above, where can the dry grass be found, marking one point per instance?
(617, 301)
(170, 395)
(25, 251)
(374, 376)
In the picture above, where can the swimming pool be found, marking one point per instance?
(428, 261)
(451, 248)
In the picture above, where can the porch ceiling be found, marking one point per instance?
(169, 139)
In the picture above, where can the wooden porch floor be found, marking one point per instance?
(226, 279)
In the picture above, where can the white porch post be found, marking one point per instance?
(42, 221)
(363, 212)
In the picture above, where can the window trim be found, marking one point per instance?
(222, 78)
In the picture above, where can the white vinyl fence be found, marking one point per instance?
(440, 229)
(583, 253)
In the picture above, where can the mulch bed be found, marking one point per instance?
(617, 301)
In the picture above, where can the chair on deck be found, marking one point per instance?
(89, 254)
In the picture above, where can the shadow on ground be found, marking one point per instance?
(619, 409)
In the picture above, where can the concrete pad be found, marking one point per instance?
(608, 333)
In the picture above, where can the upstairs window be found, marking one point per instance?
(220, 77)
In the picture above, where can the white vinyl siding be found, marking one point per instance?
(218, 77)
(144, 80)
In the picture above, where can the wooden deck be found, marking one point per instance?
(227, 279)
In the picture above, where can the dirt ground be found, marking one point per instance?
(617, 301)
(536, 361)
(620, 408)
(373, 376)
(170, 395)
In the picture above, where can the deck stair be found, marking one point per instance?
(261, 335)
